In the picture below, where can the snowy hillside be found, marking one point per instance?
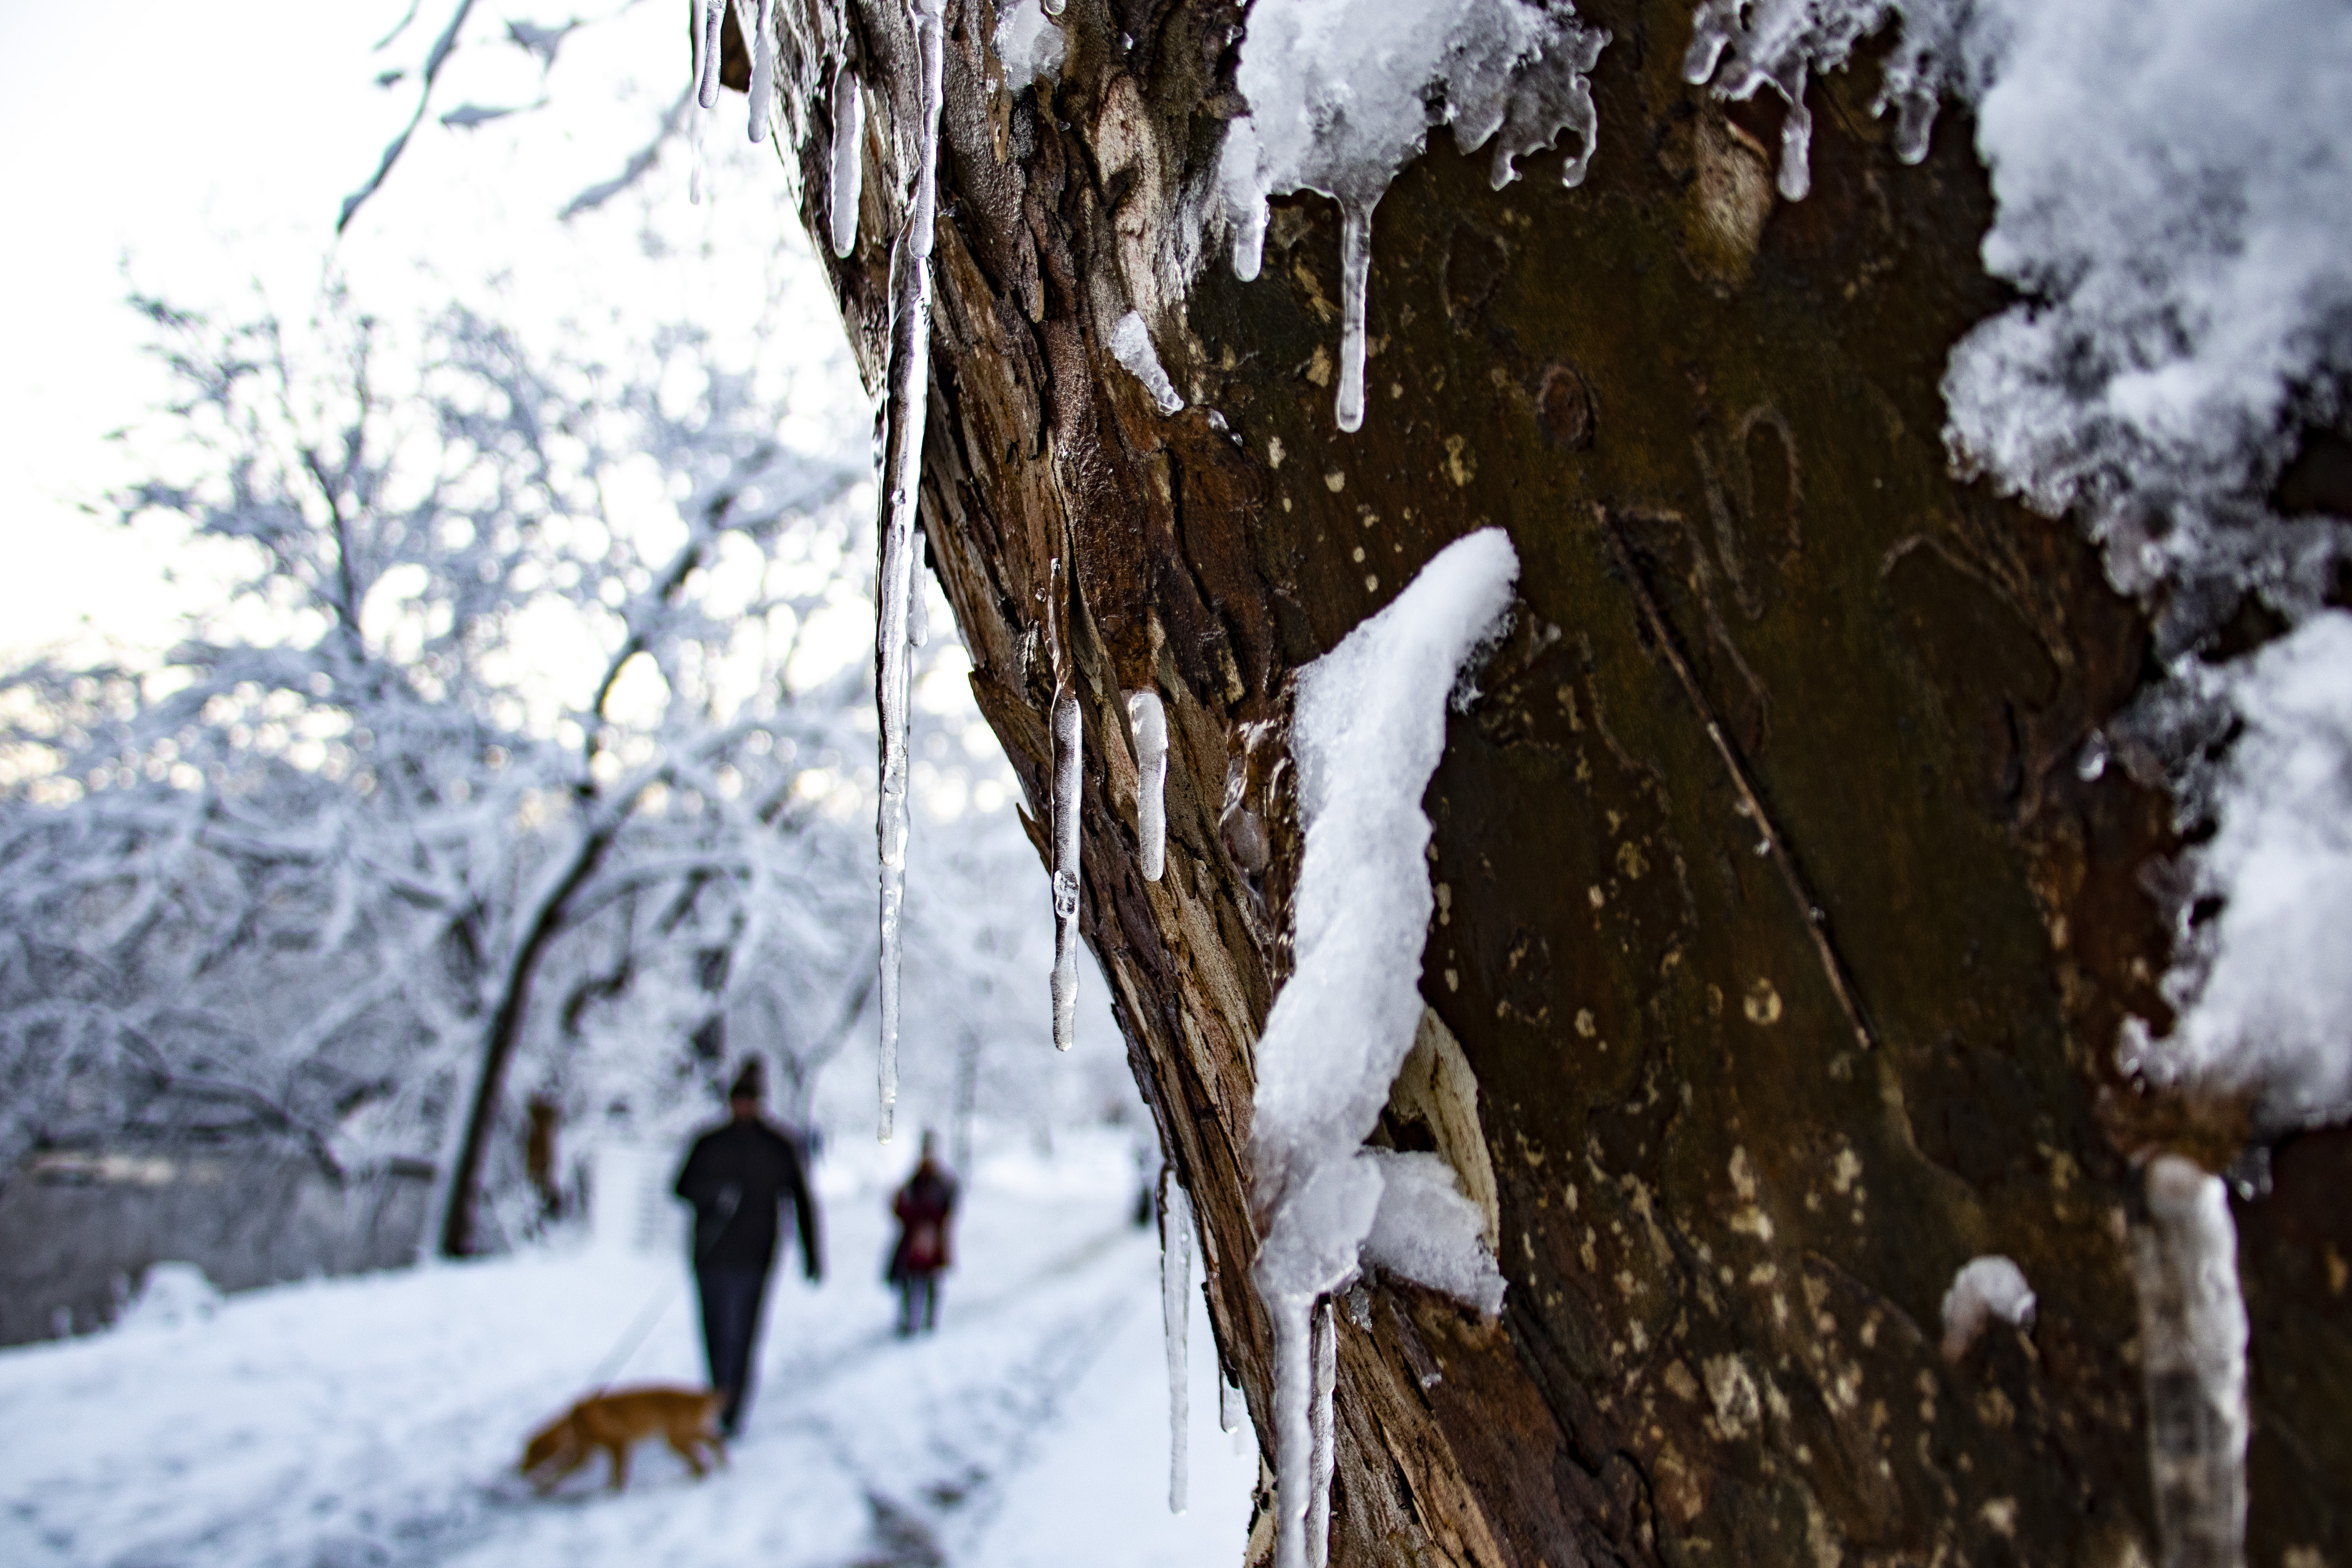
(376, 1420)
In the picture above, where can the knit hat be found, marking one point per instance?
(750, 1082)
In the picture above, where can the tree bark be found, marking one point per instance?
(1782, 936)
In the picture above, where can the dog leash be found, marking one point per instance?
(651, 1314)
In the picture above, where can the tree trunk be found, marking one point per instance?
(1782, 936)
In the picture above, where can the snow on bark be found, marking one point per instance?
(1368, 732)
(1028, 44)
(1341, 95)
(1149, 721)
(1069, 774)
(908, 402)
(1427, 1231)
(848, 156)
(1131, 345)
(1983, 1289)
(2169, 186)
(2193, 1336)
(1175, 1280)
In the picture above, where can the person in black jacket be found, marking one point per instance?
(738, 1176)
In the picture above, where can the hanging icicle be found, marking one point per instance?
(710, 19)
(1230, 1410)
(1327, 1449)
(848, 157)
(1068, 776)
(908, 399)
(1149, 721)
(763, 66)
(1175, 1281)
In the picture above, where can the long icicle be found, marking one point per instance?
(1069, 777)
(763, 69)
(1327, 1449)
(1147, 719)
(1175, 1281)
(848, 157)
(909, 395)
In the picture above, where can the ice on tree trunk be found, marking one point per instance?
(1230, 1413)
(848, 156)
(1148, 722)
(1131, 345)
(1341, 96)
(919, 602)
(1029, 45)
(1175, 1280)
(909, 401)
(1983, 1289)
(1366, 733)
(1427, 1231)
(2192, 1335)
(1068, 777)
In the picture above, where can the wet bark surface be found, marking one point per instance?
(1783, 936)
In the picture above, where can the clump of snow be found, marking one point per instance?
(1029, 45)
(1984, 1288)
(1426, 1230)
(1369, 729)
(172, 1294)
(2264, 990)
(1342, 96)
(1131, 345)
(2192, 1324)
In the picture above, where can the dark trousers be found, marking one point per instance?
(730, 1328)
(918, 1302)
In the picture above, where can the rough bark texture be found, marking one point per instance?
(1782, 938)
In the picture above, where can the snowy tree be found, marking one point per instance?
(1898, 412)
(523, 639)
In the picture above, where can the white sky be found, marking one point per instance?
(210, 147)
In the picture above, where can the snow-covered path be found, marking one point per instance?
(376, 1420)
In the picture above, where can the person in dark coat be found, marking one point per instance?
(924, 1206)
(738, 1176)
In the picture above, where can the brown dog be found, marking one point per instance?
(616, 1421)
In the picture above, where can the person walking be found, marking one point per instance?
(738, 1176)
(924, 1206)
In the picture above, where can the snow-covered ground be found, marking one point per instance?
(376, 1420)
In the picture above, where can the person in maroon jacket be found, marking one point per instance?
(741, 1177)
(924, 1207)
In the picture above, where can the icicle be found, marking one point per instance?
(1175, 1278)
(1054, 8)
(1294, 1442)
(1796, 136)
(848, 157)
(1131, 345)
(712, 14)
(910, 391)
(1710, 31)
(2193, 1336)
(1355, 275)
(919, 608)
(694, 157)
(1230, 1412)
(763, 69)
(1149, 721)
(1325, 1457)
(1069, 774)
